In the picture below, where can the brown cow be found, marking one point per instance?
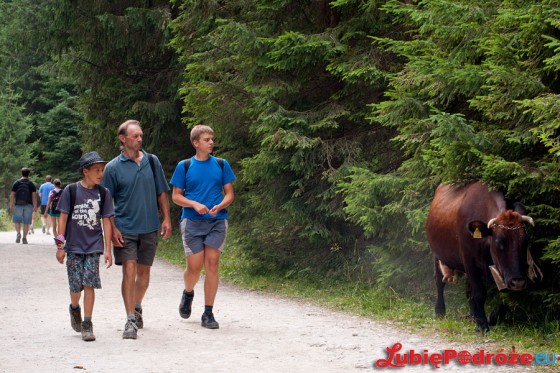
(469, 230)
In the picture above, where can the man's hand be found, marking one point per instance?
(165, 229)
(117, 238)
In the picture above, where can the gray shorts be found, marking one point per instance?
(83, 270)
(22, 214)
(138, 247)
(199, 233)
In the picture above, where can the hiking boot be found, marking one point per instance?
(24, 241)
(209, 322)
(139, 319)
(130, 330)
(76, 318)
(18, 237)
(87, 331)
(186, 304)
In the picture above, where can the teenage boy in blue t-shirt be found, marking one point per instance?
(204, 189)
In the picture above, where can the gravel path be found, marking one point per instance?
(258, 332)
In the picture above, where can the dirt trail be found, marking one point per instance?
(258, 332)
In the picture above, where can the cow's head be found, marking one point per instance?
(508, 243)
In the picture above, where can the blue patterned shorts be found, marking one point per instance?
(83, 270)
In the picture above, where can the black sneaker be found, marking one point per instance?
(139, 319)
(130, 330)
(87, 331)
(208, 321)
(76, 318)
(186, 304)
(18, 237)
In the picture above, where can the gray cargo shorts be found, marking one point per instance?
(199, 233)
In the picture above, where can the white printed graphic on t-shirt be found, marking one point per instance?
(85, 214)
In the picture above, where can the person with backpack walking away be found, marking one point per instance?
(23, 201)
(84, 207)
(137, 183)
(202, 185)
(52, 205)
(44, 192)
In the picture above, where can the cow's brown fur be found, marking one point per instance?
(461, 241)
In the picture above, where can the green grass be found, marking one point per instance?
(381, 304)
(6, 221)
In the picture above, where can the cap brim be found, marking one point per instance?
(92, 163)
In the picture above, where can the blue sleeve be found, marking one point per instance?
(178, 179)
(227, 176)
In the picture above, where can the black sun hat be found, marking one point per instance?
(90, 158)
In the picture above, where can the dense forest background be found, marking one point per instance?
(340, 117)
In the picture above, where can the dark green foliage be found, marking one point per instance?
(339, 117)
(474, 101)
(117, 55)
(15, 127)
(291, 80)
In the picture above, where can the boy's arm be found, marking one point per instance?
(60, 240)
(228, 199)
(108, 234)
(180, 200)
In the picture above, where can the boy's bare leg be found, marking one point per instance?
(211, 281)
(192, 272)
(89, 300)
(75, 299)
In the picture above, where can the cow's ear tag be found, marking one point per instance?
(477, 233)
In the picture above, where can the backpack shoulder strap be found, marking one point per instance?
(152, 164)
(102, 192)
(187, 164)
(221, 162)
(72, 188)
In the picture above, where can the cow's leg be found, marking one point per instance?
(476, 294)
(438, 277)
(498, 313)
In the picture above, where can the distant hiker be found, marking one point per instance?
(44, 191)
(81, 238)
(204, 189)
(52, 205)
(23, 201)
(137, 183)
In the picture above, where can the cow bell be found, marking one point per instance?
(497, 278)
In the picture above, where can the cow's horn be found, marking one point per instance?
(491, 222)
(528, 219)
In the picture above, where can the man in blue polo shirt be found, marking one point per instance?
(138, 186)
